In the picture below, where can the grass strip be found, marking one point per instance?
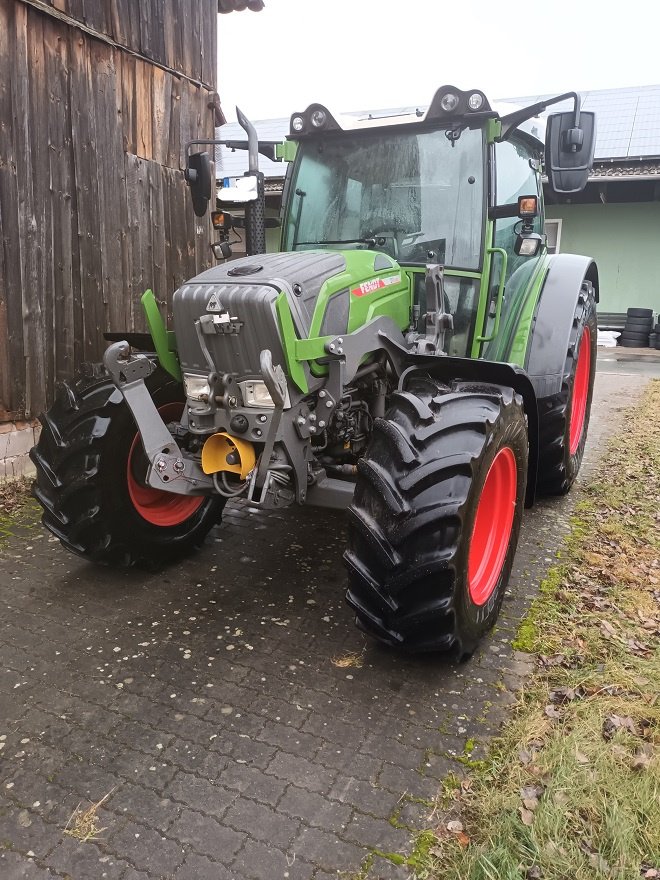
(571, 789)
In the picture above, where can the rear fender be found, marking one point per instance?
(551, 329)
(448, 369)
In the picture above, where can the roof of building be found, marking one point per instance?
(627, 128)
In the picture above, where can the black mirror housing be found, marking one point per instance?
(569, 151)
(198, 178)
(221, 250)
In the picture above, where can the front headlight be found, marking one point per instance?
(255, 393)
(196, 387)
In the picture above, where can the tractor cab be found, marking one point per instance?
(435, 187)
(457, 185)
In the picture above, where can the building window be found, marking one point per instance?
(553, 231)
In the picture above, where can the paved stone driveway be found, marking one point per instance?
(209, 707)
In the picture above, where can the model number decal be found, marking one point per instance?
(375, 284)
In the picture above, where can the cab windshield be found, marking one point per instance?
(418, 196)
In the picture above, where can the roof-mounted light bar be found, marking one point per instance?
(315, 118)
(449, 103)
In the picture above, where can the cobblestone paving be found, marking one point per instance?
(209, 706)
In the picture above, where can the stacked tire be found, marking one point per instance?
(654, 338)
(639, 323)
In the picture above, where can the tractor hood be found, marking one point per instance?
(225, 317)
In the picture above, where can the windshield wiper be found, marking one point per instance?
(371, 241)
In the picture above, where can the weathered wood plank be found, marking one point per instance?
(60, 341)
(158, 281)
(137, 189)
(11, 323)
(95, 15)
(146, 36)
(143, 109)
(128, 103)
(194, 42)
(159, 11)
(210, 47)
(123, 23)
(29, 235)
(161, 111)
(85, 148)
(174, 135)
(105, 82)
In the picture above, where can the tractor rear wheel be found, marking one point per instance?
(91, 471)
(435, 518)
(564, 417)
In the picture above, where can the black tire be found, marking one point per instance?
(559, 463)
(634, 343)
(413, 514)
(83, 483)
(639, 313)
(638, 326)
(634, 335)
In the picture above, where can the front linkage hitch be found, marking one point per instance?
(169, 468)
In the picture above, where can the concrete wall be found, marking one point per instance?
(624, 239)
(16, 440)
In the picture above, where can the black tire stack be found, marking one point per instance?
(639, 323)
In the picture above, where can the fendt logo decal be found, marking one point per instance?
(375, 284)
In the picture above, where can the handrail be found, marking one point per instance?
(500, 293)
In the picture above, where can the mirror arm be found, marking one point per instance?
(513, 120)
(266, 148)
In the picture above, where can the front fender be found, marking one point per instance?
(553, 319)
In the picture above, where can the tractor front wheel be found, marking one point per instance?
(434, 523)
(91, 478)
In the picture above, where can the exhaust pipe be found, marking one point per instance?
(255, 212)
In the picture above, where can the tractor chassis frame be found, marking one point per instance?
(173, 470)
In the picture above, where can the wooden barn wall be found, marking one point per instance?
(93, 205)
(180, 34)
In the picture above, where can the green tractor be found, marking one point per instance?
(413, 354)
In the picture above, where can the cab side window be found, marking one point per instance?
(514, 177)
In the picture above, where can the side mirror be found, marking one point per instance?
(569, 150)
(198, 178)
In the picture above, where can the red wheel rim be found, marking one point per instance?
(492, 526)
(156, 506)
(580, 392)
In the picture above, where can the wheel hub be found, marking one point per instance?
(156, 506)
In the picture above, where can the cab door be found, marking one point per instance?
(516, 172)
